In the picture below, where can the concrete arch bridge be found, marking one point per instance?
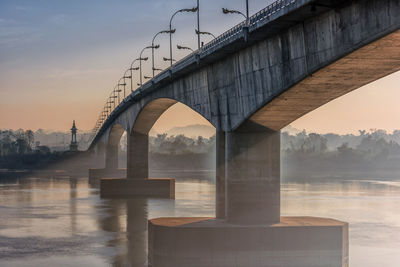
(250, 82)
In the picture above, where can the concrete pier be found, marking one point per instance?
(126, 188)
(250, 232)
(137, 182)
(252, 175)
(106, 173)
(206, 242)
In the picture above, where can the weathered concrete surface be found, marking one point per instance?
(205, 242)
(252, 166)
(361, 67)
(284, 75)
(126, 188)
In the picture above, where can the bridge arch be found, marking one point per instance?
(116, 132)
(138, 139)
(112, 147)
(150, 113)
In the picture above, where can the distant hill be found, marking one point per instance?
(193, 131)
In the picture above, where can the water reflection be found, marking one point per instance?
(63, 222)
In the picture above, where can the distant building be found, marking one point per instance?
(74, 144)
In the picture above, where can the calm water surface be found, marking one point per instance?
(63, 222)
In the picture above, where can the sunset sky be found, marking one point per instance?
(59, 60)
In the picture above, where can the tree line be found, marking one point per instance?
(302, 151)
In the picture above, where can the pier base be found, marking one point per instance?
(106, 173)
(125, 188)
(206, 242)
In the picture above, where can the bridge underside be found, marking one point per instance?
(370, 63)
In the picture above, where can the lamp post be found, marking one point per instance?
(152, 44)
(140, 62)
(113, 97)
(132, 69)
(109, 107)
(117, 91)
(198, 24)
(229, 11)
(194, 9)
(126, 77)
(246, 27)
(122, 84)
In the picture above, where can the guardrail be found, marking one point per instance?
(226, 37)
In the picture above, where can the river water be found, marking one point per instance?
(63, 222)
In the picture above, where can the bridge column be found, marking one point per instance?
(253, 175)
(112, 157)
(138, 182)
(220, 183)
(108, 156)
(138, 156)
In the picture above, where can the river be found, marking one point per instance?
(63, 222)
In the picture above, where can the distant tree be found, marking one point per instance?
(22, 146)
(30, 138)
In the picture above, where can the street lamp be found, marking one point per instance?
(198, 24)
(229, 11)
(144, 59)
(113, 98)
(205, 33)
(152, 44)
(246, 27)
(122, 84)
(108, 107)
(168, 59)
(126, 77)
(132, 69)
(184, 48)
(118, 92)
(194, 9)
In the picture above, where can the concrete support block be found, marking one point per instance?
(125, 188)
(206, 242)
(106, 173)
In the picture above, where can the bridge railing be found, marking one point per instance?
(269, 10)
(230, 35)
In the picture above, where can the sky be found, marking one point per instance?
(59, 60)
